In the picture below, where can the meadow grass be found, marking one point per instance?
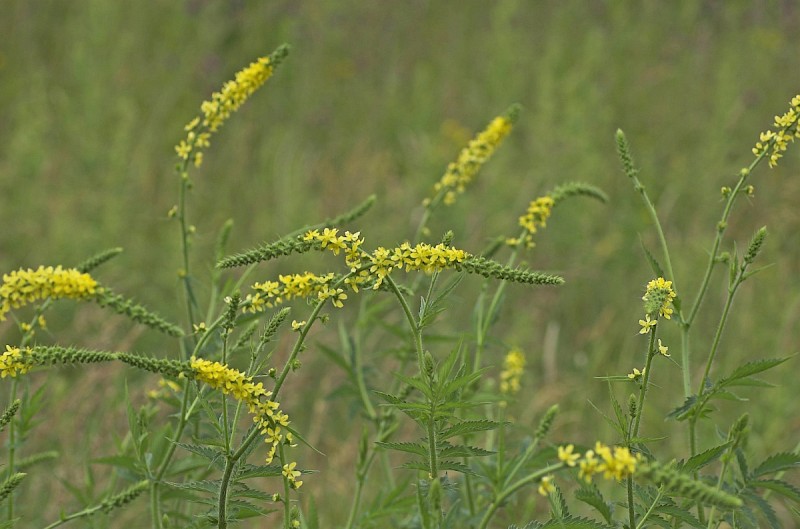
(364, 108)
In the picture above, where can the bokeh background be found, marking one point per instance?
(377, 97)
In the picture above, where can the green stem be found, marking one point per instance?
(631, 512)
(653, 506)
(645, 382)
(12, 443)
(502, 496)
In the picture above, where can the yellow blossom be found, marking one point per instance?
(513, 368)
(546, 486)
(13, 362)
(22, 287)
(786, 130)
(536, 217)
(566, 455)
(462, 171)
(663, 349)
(658, 297)
(646, 324)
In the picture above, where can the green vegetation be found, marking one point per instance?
(378, 100)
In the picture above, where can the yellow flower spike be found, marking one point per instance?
(22, 287)
(462, 171)
(566, 455)
(513, 368)
(658, 297)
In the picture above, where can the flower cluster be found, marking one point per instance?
(513, 368)
(22, 287)
(461, 172)
(305, 285)
(14, 361)
(613, 463)
(534, 218)
(777, 140)
(223, 103)
(657, 300)
(617, 463)
(269, 419)
(366, 269)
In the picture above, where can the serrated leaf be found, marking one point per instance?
(464, 451)
(211, 486)
(652, 261)
(681, 413)
(468, 427)
(247, 492)
(724, 394)
(416, 383)
(573, 523)
(457, 467)
(412, 448)
(750, 369)
(680, 514)
(261, 471)
(778, 486)
(702, 459)
(776, 463)
(416, 465)
(213, 455)
(558, 505)
(593, 497)
(765, 509)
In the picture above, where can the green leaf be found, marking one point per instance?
(468, 427)
(211, 486)
(783, 488)
(698, 461)
(591, 495)
(682, 412)
(765, 509)
(411, 448)
(261, 471)
(680, 514)
(776, 463)
(573, 523)
(654, 264)
(457, 467)
(214, 455)
(750, 369)
(463, 451)
(559, 509)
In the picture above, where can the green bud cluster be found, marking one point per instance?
(682, 484)
(138, 313)
(488, 268)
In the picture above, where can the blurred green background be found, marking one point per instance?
(377, 97)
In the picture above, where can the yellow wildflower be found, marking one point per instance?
(546, 486)
(566, 455)
(513, 368)
(658, 297)
(13, 362)
(786, 130)
(646, 324)
(22, 287)
(536, 217)
(663, 349)
(462, 171)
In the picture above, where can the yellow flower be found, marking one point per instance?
(223, 103)
(646, 324)
(462, 171)
(663, 349)
(13, 362)
(658, 297)
(513, 368)
(566, 456)
(546, 486)
(786, 130)
(636, 374)
(536, 217)
(22, 287)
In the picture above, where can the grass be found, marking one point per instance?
(378, 100)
